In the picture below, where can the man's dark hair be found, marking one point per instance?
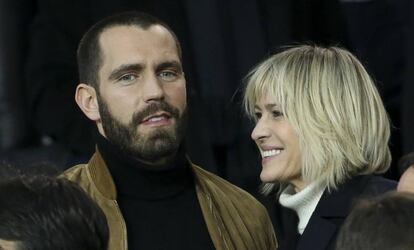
(89, 54)
(384, 223)
(48, 213)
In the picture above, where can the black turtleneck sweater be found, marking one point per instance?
(160, 207)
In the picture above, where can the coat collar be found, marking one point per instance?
(332, 209)
(101, 176)
(337, 203)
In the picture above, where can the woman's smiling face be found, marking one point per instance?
(278, 144)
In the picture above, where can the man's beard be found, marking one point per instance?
(151, 148)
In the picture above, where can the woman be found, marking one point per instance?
(322, 132)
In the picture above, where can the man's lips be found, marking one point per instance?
(156, 117)
(155, 111)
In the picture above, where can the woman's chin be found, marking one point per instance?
(266, 177)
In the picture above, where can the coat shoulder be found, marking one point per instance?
(376, 185)
(226, 189)
(74, 171)
(245, 219)
(77, 174)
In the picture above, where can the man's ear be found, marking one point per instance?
(87, 101)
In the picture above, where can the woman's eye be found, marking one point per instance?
(277, 113)
(257, 115)
(168, 75)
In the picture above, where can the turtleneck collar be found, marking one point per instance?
(303, 202)
(135, 179)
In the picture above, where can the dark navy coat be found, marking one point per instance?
(330, 212)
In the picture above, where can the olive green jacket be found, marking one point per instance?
(235, 220)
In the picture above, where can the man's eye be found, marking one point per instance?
(127, 78)
(168, 75)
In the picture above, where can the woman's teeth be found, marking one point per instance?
(272, 152)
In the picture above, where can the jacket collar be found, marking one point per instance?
(337, 203)
(333, 207)
(101, 176)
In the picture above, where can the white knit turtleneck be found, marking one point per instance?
(303, 202)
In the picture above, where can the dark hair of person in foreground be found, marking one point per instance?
(48, 213)
(384, 223)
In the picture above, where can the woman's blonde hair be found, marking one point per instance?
(333, 105)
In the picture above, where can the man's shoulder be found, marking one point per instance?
(242, 215)
(80, 174)
(77, 173)
(226, 190)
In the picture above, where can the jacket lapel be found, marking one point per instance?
(329, 214)
(101, 177)
(320, 232)
(234, 219)
(215, 225)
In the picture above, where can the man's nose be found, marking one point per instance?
(153, 89)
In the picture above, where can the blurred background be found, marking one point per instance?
(222, 40)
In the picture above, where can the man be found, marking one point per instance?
(47, 213)
(133, 87)
(386, 222)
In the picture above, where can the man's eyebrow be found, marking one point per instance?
(125, 68)
(170, 64)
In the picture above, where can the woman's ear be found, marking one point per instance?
(87, 101)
